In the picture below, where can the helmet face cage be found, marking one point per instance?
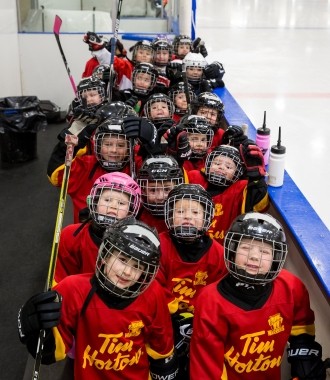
(221, 179)
(155, 101)
(194, 60)
(99, 70)
(139, 73)
(189, 211)
(161, 45)
(114, 196)
(264, 248)
(200, 135)
(128, 260)
(180, 41)
(111, 146)
(210, 101)
(177, 89)
(156, 178)
(91, 93)
(143, 46)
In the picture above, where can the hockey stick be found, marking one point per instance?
(186, 88)
(113, 50)
(56, 30)
(71, 141)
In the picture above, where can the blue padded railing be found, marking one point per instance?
(309, 231)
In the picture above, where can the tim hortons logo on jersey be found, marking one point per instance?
(115, 353)
(218, 209)
(255, 356)
(135, 248)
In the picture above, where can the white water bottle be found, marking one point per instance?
(276, 163)
(263, 140)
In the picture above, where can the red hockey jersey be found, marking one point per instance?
(184, 280)
(85, 170)
(76, 253)
(229, 343)
(110, 343)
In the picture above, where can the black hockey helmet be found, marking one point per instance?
(111, 129)
(157, 98)
(178, 40)
(190, 192)
(145, 68)
(194, 125)
(220, 179)
(132, 244)
(208, 100)
(179, 88)
(161, 44)
(87, 85)
(116, 109)
(160, 173)
(263, 228)
(142, 45)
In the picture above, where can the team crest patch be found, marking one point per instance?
(200, 278)
(134, 329)
(275, 322)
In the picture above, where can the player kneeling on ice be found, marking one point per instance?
(243, 322)
(117, 318)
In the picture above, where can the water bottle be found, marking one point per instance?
(263, 140)
(276, 163)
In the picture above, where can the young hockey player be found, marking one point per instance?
(243, 322)
(142, 52)
(190, 259)
(110, 153)
(232, 194)
(202, 76)
(115, 318)
(182, 45)
(177, 94)
(100, 50)
(209, 105)
(144, 79)
(91, 95)
(114, 196)
(162, 56)
(159, 109)
(200, 137)
(157, 177)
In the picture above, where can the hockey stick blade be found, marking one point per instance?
(57, 25)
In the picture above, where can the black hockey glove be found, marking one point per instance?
(253, 159)
(94, 41)
(141, 128)
(198, 46)
(40, 312)
(84, 115)
(178, 143)
(234, 136)
(182, 327)
(214, 70)
(175, 65)
(132, 101)
(166, 368)
(306, 361)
